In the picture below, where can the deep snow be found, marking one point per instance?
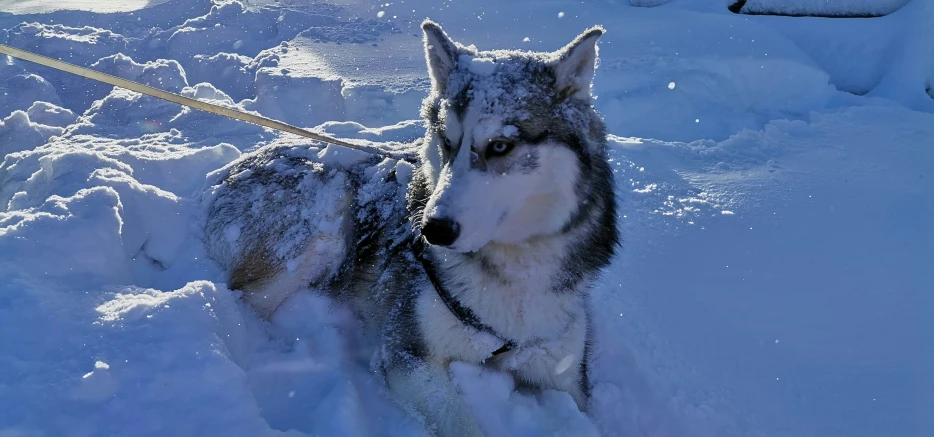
(776, 207)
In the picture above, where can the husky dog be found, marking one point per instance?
(509, 215)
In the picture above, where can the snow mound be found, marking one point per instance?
(127, 113)
(164, 74)
(18, 132)
(79, 45)
(740, 75)
(504, 411)
(827, 8)
(50, 115)
(46, 6)
(231, 27)
(19, 89)
(297, 99)
(99, 375)
(228, 71)
(88, 218)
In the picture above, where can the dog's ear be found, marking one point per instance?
(441, 53)
(574, 65)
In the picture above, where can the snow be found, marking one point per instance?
(829, 8)
(101, 6)
(479, 65)
(510, 131)
(27, 134)
(773, 174)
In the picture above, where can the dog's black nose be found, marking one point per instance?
(441, 231)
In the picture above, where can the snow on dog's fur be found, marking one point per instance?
(509, 216)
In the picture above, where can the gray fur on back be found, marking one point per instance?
(263, 209)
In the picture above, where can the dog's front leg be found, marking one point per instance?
(427, 386)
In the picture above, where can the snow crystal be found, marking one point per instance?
(510, 131)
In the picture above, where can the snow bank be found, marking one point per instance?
(80, 45)
(26, 130)
(738, 75)
(46, 6)
(50, 115)
(88, 218)
(109, 359)
(224, 28)
(297, 99)
(163, 74)
(227, 71)
(231, 27)
(18, 132)
(124, 113)
(19, 89)
(827, 8)
(374, 105)
(66, 164)
(492, 395)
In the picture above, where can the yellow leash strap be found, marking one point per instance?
(181, 100)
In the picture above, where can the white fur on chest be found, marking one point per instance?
(519, 303)
(519, 300)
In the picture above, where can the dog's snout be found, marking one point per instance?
(441, 231)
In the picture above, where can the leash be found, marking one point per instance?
(182, 100)
(462, 313)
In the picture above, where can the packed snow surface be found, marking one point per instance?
(776, 206)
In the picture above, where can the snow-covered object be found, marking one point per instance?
(823, 8)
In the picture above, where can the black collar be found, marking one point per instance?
(464, 314)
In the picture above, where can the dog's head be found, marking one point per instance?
(509, 135)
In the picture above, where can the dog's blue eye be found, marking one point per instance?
(498, 148)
